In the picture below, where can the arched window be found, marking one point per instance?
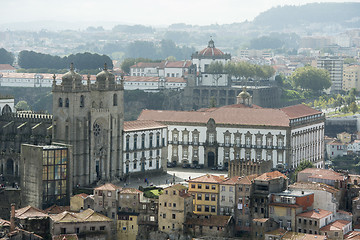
(82, 101)
(115, 100)
(6, 109)
(67, 102)
(60, 102)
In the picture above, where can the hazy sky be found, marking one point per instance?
(146, 12)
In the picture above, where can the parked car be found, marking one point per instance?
(186, 165)
(171, 164)
(199, 166)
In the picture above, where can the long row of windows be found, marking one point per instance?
(143, 145)
(82, 101)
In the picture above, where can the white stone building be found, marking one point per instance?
(144, 146)
(281, 138)
(153, 83)
(203, 59)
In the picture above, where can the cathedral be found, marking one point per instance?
(90, 117)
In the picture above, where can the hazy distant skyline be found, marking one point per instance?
(146, 12)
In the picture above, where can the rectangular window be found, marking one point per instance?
(207, 197)
(199, 197)
(213, 187)
(213, 197)
(198, 208)
(192, 185)
(222, 188)
(207, 187)
(173, 216)
(199, 186)
(207, 208)
(213, 208)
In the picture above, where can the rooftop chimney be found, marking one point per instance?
(12, 218)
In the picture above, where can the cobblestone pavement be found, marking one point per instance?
(179, 174)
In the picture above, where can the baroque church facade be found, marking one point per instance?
(90, 117)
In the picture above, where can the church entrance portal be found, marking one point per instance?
(211, 159)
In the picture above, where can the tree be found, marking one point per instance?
(311, 78)
(216, 69)
(22, 106)
(279, 79)
(6, 57)
(303, 165)
(353, 107)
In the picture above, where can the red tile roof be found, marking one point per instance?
(335, 226)
(55, 209)
(313, 186)
(323, 174)
(271, 175)
(353, 235)
(6, 67)
(146, 65)
(4, 223)
(208, 178)
(317, 213)
(240, 180)
(130, 191)
(30, 212)
(82, 195)
(177, 64)
(142, 125)
(211, 52)
(300, 110)
(225, 115)
(108, 187)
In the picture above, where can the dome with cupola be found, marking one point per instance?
(105, 78)
(211, 50)
(71, 76)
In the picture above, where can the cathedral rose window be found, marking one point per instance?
(96, 129)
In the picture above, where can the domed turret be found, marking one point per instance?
(105, 79)
(244, 98)
(71, 76)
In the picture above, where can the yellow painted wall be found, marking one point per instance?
(131, 229)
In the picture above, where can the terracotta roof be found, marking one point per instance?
(30, 212)
(142, 125)
(271, 175)
(211, 51)
(130, 190)
(178, 64)
(233, 114)
(4, 223)
(82, 195)
(65, 237)
(55, 209)
(353, 235)
(300, 110)
(208, 178)
(336, 225)
(313, 186)
(236, 116)
(146, 65)
(48, 76)
(153, 79)
(317, 213)
(323, 174)
(178, 187)
(240, 180)
(212, 220)
(108, 187)
(263, 220)
(285, 235)
(344, 212)
(6, 67)
(87, 215)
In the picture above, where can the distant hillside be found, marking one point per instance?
(345, 14)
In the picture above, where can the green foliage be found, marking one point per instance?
(22, 106)
(266, 42)
(350, 61)
(147, 49)
(353, 107)
(6, 57)
(212, 102)
(345, 109)
(245, 70)
(303, 165)
(128, 62)
(31, 59)
(311, 78)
